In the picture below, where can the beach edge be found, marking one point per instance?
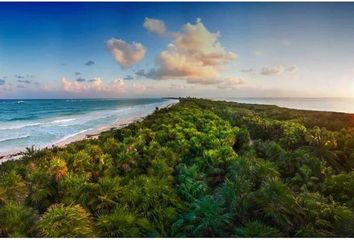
(16, 155)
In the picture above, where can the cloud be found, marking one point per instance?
(247, 70)
(155, 26)
(77, 73)
(2, 82)
(268, 71)
(128, 77)
(89, 63)
(80, 80)
(30, 76)
(292, 68)
(139, 88)
(231, 83)
(19, 76)
(93, 85)
(195, 55)
(124, 53)
(258, 53)
(277, 70)
(20, 86)
(117, 86)
(96, 87)
(141, 73)
(24, 81)
(74, 86)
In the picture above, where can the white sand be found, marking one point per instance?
(13, 155)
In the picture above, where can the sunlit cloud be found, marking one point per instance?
(278, 70)
(269, 71)
(75, 86)
(195, 55)
(155, 26)
(124, 53)
(97, 86)
(139, 88)
(231, 83)
(247, 70)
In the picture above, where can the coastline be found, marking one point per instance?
(91, 134)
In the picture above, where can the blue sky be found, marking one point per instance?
(176, 49)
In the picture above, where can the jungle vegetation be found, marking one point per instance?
(199, 168)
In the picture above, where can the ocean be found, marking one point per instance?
(42, 123)
(345, 105)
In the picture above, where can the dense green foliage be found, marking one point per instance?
(199, 168)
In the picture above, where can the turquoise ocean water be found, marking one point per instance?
(42, 123)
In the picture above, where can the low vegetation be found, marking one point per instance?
(200, 168)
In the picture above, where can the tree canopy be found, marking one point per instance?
(200, 168)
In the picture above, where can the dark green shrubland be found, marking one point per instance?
(198, 169)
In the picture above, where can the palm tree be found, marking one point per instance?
(322, 144)
(155, 199)
(71, 188)
(58, 168)
(122, 223)
(277, 204)
(12, 187)
(16, 220)
(107, 195)
(256, 229)
(66, 221)
(190, 182)
(31, 153)
(42, 191)
(206, 218)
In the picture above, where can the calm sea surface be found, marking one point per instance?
(345, 105)
(24, 123)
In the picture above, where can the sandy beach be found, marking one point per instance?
(91, 134)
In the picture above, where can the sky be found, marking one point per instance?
(216, 50)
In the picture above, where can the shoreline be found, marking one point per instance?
(91, 134)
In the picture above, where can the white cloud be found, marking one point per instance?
(258, 53)
(155, 26)
(231, 83)
(268, 71)
(195, 55)
(117, 85)
(97, 86)
(278, 70)
(124, 53)
(94, 85)
(139, 88)
(247, 70)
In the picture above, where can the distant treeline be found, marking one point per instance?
(200, 168)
